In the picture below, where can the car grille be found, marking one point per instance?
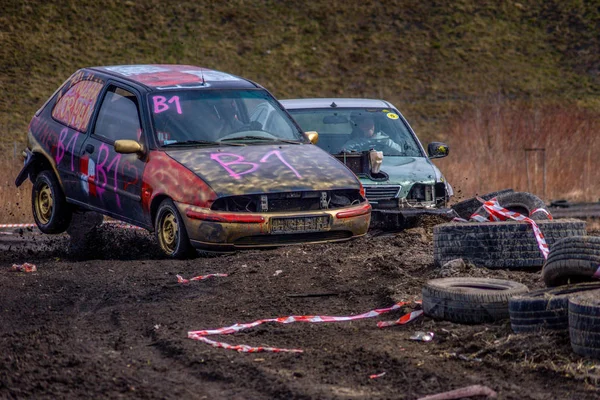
(381, 192)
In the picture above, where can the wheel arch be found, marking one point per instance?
(154, 206)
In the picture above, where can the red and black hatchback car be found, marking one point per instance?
(180, 150)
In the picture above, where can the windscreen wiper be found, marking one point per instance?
(199, 142)
(261, 138)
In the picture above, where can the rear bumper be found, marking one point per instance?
(24, 173)
(227, 231)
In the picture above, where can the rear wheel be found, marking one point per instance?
(171, 233)
(51, 212)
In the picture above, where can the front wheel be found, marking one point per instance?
(51, 212)
(170, 231)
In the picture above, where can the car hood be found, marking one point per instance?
(271, 168)
(406, 170)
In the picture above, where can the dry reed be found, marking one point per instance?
(15, 203)
(546, 150)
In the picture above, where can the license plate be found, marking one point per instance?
(299, 224)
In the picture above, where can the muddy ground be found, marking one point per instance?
(114, 323)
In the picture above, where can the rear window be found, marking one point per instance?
(75, 107)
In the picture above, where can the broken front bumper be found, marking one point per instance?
(226, 231)
(406, 217)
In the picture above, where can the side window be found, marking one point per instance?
(75, 107)
(118, 117)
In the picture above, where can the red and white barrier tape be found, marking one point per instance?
(201, 335)
(180, 279)
(26, 267)
(502, 214)
(542, 210)
(497, 213)
(17, 225)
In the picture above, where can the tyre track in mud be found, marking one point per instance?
(114, 324)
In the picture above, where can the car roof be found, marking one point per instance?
(163, 76)
(292, 104)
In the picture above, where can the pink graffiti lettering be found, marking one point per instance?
(60, 145)
(101, 178)
(71, 144)
(278, 154)
(61, 148)
(239, 160)
(114, 165)
(161, 104)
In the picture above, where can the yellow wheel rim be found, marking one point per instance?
(44, 204)
(169, 231)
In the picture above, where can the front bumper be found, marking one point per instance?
(406, 217)
(226, 231)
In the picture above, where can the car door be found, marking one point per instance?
(67, 130)
(114, 180)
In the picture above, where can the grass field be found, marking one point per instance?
(440, 63)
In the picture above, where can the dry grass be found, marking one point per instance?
(489, 151)
(15, 203)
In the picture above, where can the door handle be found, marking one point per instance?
(89, 148)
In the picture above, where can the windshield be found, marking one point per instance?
(206, 117)
(359, 129)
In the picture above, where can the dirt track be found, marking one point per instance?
(115, 325)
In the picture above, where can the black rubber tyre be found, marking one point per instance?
(466, 208)
(572, 260)
(584, 324)
(522, 202)
(171, 232)
(51, 212)
(507, 244)
(545, 308)
(469, 300)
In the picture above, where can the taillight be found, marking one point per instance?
(362, 191)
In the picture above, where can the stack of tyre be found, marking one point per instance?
(570, 301)
(572, 298)
(501, 244)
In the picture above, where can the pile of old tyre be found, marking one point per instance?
(502, 244)
(571, 300)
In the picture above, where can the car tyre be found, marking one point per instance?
(505, 244)
(524, 203)
(171, 232)
(51, 212)
(584, 324)
(545, 308)
(466, 208)
(469, 300)
(572, 260)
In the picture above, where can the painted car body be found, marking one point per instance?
(245, 191)
(408, 181)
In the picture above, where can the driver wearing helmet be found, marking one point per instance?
(221, 118)
(364, 137)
